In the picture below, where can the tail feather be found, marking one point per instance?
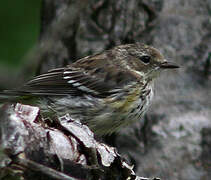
(10, 95)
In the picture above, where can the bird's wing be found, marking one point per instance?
(94, 76)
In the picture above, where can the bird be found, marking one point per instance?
(106, 91)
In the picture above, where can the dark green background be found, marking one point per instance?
(19, 30)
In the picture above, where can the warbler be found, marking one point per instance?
(107, 91)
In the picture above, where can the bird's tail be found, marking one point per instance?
(10, 96)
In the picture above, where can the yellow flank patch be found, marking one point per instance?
(125, 104)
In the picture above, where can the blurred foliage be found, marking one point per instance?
(19, 29)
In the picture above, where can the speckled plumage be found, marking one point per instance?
(106, 91)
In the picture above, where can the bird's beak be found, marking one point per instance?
(168, 65)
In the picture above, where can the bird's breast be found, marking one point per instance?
(134, 102)
(140, 105)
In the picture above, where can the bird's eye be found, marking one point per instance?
(145, 59)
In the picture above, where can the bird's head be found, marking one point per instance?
(144, 60)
